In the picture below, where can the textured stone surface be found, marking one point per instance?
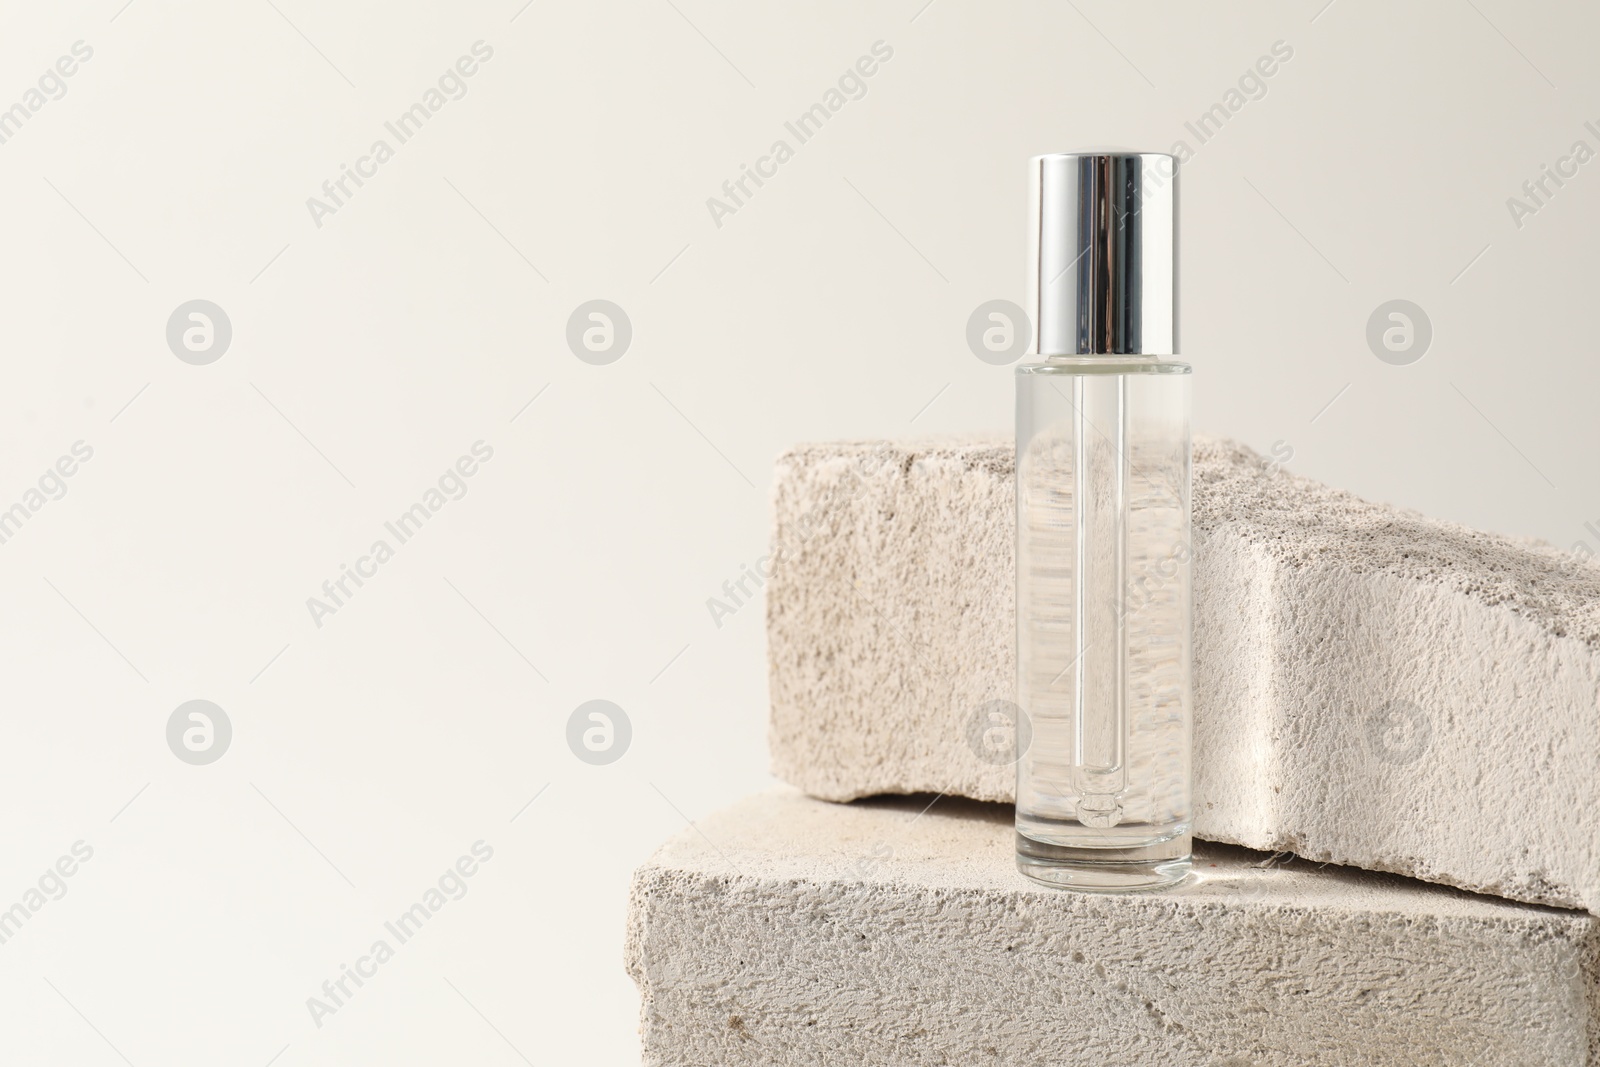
(789, 931)
(1372, 687)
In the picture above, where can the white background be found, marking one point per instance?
(369, 353)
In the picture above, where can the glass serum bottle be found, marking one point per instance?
(1103, 540)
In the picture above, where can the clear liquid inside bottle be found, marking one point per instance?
(1103, 621)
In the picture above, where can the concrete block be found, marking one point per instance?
(1372, 687)
(790, 931)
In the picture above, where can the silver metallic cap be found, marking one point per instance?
(1103, 266)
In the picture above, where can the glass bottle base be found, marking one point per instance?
(1103, 870)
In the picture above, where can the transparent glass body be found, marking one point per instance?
(1103, 621)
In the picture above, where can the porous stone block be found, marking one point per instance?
(1372, 687)
(789, 931)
